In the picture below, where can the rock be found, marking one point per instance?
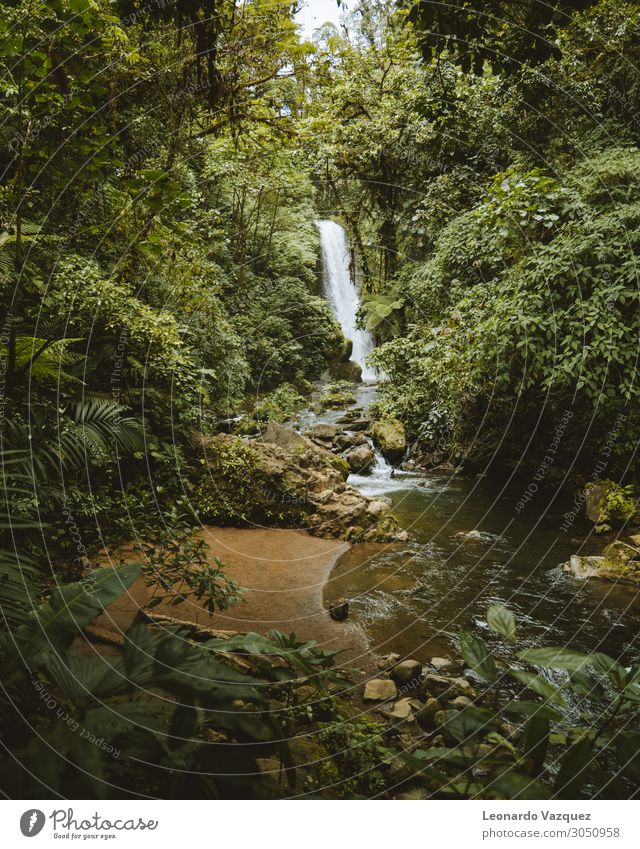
(388, 661)
(324, 431)
(401, 710)
(284, 437)
(269, 766)
(472, 536)
(339, 609)
(348, 371)
(619, 563)
(360, 459)
(349, 440)
(338, 395)
(442, 686)
(389, 437)
(359, 424)
(305, 694)
(443, 664)
(378, 508)
(460, 702)
(350, 415)
(260, 482)
(426, 715)
(407, 671)
(379, 690)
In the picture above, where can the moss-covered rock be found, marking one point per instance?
(337, 399)
(619, 562)
(298, 486)
(389, 437)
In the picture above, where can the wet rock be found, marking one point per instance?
(443, 664)
(360, 459)
(619, 563)
(380, 690)
(407, 671)
(339, 609)
(349, 440)
(324, 431)
(389, 437)
(359, 424)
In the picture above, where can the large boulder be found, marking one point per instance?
(324, 431)
(389, 437)
(349, 440)
(284, 437)
(359, 424)
(360, 459)
(303, 486)
(619, 563)
(338, 395)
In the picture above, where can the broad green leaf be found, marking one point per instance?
(470, 722)
(556, 658)
(535, 743)
(478, 656)
(55, 623)
(501, 621)
(539, 685)
(574, 770)
(606, 665)
(527, 708)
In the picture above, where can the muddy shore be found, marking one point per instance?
(282, 575)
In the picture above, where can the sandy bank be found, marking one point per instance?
(282, 574)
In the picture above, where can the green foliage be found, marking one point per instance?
(279, 405)
(483, 764)
(337, 395)
(504, 330)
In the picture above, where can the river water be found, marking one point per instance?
(413, 597)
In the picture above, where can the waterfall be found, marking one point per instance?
(342, 295)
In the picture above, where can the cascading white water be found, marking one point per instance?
(342, 295)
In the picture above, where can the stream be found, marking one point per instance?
(413, 597)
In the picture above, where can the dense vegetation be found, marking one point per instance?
(162, 165)
(494, 206)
